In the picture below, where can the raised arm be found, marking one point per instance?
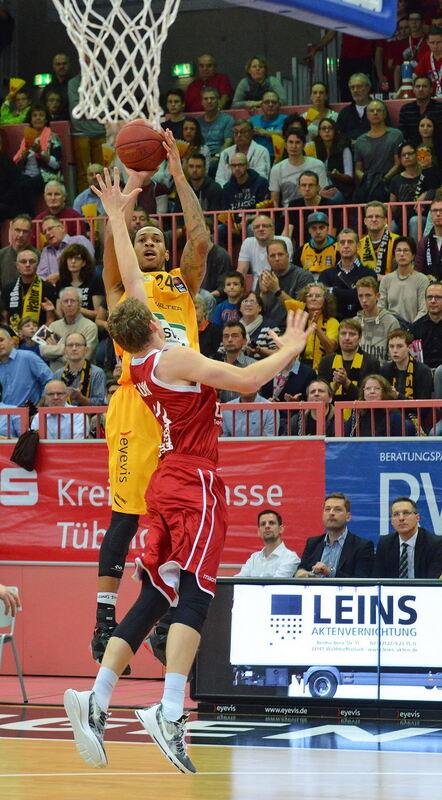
(115, 204)
(193, 259)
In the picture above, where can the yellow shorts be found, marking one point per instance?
(133, 438)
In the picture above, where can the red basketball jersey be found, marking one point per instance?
(189, 415)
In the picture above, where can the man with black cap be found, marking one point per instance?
(320, 251)
(342, 278)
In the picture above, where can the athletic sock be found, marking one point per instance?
(106, 602)
(104, 685)
(173, 695)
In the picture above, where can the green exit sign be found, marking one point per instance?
(182, 70)
(43, 79)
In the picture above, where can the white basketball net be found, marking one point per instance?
(120, 57)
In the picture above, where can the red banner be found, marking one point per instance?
(60, 511)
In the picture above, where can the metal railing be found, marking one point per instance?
(423, 415)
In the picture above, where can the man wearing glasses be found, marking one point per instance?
(269, 123)
(29, 295)
(376, 248)
(411, 551)
(58, 425)
(253, 253)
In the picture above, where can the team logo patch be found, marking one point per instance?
(178, 283)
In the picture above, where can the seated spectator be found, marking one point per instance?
(338, 553)
(352, 119)
(253, 253)
(268, 124)
(250, 423)
(192, 142)
(342, 278)
(380, 421)
(60, 426)
(208, 192)
(376, 248)
(319, 109)
(57, 241)
(26, 329)
(139, 219)
(402, 292)
(39, 158)
(411, 551)
(245, 190)
(209, 334)
(218, 264)
(77, 268)
(284, 177)
(20, 237)
(428, 329)
(216, 126)
(260, 342)
(234, 341)
(54, 107)
(345, 369)
(429, 252)
(251, 89)
(61, 67)
(257, 156)
(275, 560)
(175, 112)
(295, 121)
(375, 152)
(376, 322)
(208, 76)
(23, 375)
(87, 197)
(428, 147)
(410, 184)
(72, 321)
(430, 63)
(410, 379)
(228, 309)
(319, 252)
(307, 204)
(320, 306)
(289, 386)
(15, 107)
(85, 382)
(155, 190)
(332, 148)
(318, 391)
(87, 135)
(55, 198)
(29, 295)
(282, 282)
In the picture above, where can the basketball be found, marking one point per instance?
(139, 146)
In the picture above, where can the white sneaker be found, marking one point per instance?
(88, 721)
(169, 736)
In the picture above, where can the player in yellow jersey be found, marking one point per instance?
(132, 432)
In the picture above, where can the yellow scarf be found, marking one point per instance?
(354, 375)
(380, 261)
(31, 302)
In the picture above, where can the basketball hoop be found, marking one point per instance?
(120, 57)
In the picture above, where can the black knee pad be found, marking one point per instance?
(145, 612)
(193, 604)
(115, 544)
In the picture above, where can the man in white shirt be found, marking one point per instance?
(258, 157)
(61, 426)
(253, 252)
(275, 560)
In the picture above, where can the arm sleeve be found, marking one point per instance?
(98, 389)
(289, 564)
(240, 93)
(347, 160)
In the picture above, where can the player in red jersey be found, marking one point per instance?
(187, 508)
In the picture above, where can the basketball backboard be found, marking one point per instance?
(370, 19)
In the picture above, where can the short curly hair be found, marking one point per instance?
(329, 308)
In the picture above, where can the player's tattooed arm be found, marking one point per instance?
(193, 259)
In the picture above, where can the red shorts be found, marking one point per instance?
(187, 524)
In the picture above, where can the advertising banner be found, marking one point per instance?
(373, 473)
(60, 510)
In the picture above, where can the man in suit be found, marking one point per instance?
(338, 553)
(411, 551)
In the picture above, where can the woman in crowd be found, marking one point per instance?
(209, 333)
(377, 421)
(331, 147)
(39, 156)
(425, 143)
(250, 90)
(53, 105)
(260, 343)
(402, 291)
(319, 110)
(77, 268)
(194, 142)
(321, 307)
(411, 183)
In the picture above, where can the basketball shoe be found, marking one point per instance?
(169, 736)
(88, 721)
(103, 631)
